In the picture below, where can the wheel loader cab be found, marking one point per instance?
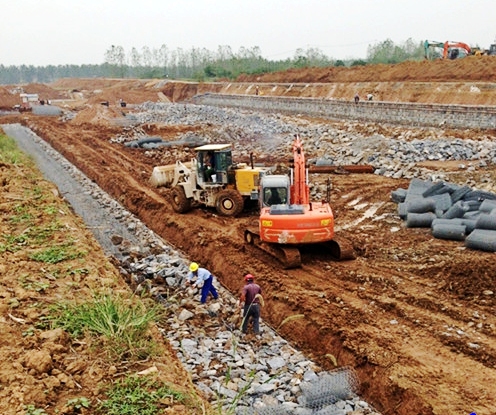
(213, 163)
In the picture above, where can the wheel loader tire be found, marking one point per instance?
(180, 203)
(229, 203)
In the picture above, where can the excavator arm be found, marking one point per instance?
(299, 190)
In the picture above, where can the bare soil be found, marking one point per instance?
(414, 315)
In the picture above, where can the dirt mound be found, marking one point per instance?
(471, 68)
(8, 99)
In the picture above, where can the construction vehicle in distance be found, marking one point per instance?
(451, 50)
(480, 52)
(26, 102)
(289, 220)
(492, 50)
(446, 50)
(430, 49)
(210, 179)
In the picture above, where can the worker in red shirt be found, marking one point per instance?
(251, 297)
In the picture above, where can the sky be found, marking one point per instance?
(59, 32)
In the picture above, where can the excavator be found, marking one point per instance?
(289, 220)
(451, 50)
(428, 44)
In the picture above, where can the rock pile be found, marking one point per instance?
(328, 143)
(249, 374)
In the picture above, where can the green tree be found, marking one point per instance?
(116, 58)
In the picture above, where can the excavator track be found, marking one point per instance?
(288, 256)
(341, 249)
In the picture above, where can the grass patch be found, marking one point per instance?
(30, 284)
(22, 215)
(121, 324)
(33, 410)
(139, 396)
(13, 243)
(9, 152)
(36, 236)
(56, 254)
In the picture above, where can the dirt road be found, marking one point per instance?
(410, 313)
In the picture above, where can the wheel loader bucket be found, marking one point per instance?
(164, 175)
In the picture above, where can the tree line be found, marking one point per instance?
(200, 64)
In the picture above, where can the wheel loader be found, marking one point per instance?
(210, 179)
(289, 220)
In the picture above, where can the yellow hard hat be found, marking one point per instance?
(193, 267)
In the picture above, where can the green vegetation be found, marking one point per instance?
(201, 64)
(138, 396)
(121, 322)
(30, 284)
(9, 153)
(55, 254)
(76, 404)
(32, 410)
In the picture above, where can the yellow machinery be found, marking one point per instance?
(210, 179)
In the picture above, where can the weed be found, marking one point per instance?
(9, 152)
(13, 243)
(139, 396)
(31, 285)
(78, 271)
(22, 215)
(290, 318)
(41, 234)
(78, 403)
(121, 322)
(28, 332)
(32, 410)
(51, 210)
(55, 254)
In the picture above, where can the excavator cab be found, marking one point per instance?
(274, 190)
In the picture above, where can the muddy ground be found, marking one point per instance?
(414, 315)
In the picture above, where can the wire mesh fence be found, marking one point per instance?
(319, 396)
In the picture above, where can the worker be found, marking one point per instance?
(209, 166)
(251, 296)
(274, 198)
(357, 98)
(202, 275)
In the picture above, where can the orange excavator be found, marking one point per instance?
(289, 220)
(451, 50)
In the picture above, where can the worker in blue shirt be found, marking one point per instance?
(202, 275)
